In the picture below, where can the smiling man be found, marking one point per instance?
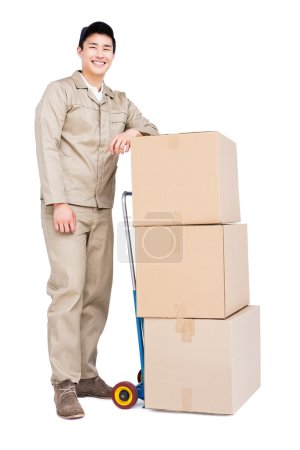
(82, 126)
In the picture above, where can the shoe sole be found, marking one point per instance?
(74, 416)
(91, 395)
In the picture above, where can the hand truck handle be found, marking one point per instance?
(128, 239)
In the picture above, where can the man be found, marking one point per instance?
(81, 128)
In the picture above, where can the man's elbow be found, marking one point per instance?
(150, 130)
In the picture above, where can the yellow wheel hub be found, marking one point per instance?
(117, 395)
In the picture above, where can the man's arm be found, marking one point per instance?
(49, 121)
(136, 125)
(137, 121)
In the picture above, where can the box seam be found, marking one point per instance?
(224, 272)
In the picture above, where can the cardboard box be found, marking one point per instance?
(202, 365)
(191, 271)
(183, 179)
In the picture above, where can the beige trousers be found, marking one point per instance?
(80, 286)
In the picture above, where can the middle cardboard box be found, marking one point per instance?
(191, 271)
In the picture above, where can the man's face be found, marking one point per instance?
(96, 55)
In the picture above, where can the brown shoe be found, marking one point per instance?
(67, 404)
(93, 387)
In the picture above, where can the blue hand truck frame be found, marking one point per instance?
(125, 394)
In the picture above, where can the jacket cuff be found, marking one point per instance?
(148, 131)
(49, 201)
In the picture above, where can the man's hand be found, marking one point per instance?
(121, 143)
(64, 218)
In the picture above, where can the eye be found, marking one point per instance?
(92, 46)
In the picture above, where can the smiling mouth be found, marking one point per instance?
(98, 63)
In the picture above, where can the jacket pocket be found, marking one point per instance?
(117, 122)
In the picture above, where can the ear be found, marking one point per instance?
(79, 51)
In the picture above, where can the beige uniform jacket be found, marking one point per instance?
(73, 133)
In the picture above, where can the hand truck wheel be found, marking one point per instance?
(124, 395)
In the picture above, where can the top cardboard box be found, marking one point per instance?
(181, 179)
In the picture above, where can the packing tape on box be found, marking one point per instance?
(186, 327)
(179, 310)
(186, 399)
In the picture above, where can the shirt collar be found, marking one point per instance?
(90, 86)
(80, 83)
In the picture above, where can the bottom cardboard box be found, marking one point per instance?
(202, 365)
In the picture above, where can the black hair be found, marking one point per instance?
(97, 27)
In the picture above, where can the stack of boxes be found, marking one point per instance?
(201, 337)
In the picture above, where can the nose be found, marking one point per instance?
(100, 52)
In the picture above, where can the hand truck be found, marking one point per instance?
(126, 394)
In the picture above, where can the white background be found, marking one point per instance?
(231, 66)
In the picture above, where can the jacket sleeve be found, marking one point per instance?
(49, 121)
(136, 120)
